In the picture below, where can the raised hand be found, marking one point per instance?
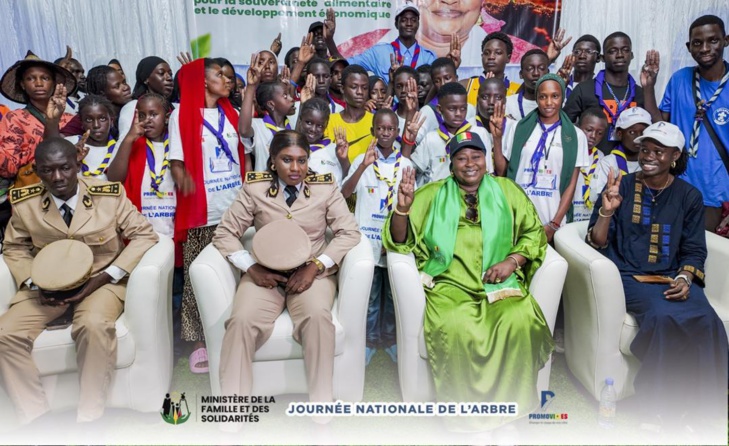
(285, 76)
(330, 24)
(340, 137)
(309, 89)
(388, 102)
(394, 66)
(496, 121)
(566, 69)
(276, 45)
(412, 127)
(611, 198)
(371, 154)
(57, 103)
(253, 76)
(406, 190)
(184, 57)
(411, 95)
(81, 149)
(556, 44)
(454, 52)
(137, 128)
(371, 106)
(649, 72)
(306, 50)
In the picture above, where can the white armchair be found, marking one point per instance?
(278, 366)
(598, 330)
(416, 381)
(143, 369)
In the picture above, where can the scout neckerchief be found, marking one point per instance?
(520, 101)
(587, 176)
(541, 150)
(323, 143)
(622, 105)
(479, 123)
(270, 125)
(332, 104)
(441, 229)
(389, 181)
(398, 55)
(703, 106)
(110, 146)
(445, 135)
(158, 177)
(620, 158)
(507, 83)
(71, 103)
(219, 134)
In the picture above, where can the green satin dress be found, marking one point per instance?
(480, 351)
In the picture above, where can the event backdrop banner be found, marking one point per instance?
(237, 28)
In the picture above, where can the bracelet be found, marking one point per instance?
(511, 256)
(406, 141)
(320, 266)
(554, 226)
(398, 212)
(599, 211)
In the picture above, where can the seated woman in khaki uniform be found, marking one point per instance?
(287, 190)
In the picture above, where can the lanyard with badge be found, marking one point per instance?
(396, 48)
(520, 101)
(621, 105)
(224, 160)
(543, 180)
(157, 178)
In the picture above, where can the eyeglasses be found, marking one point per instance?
(587, 52)
(472, 210)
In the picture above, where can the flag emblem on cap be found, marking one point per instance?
(465, 136)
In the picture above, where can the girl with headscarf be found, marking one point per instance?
(153, 75)
(544, 153)
(207, 162)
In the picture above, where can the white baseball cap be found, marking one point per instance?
(407, 6)
(632, 116)
(665, 133)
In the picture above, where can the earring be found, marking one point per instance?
(673, 164)
(273, 168)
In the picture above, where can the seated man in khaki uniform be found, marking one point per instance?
(98, 213)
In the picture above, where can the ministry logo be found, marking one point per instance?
(175, 409)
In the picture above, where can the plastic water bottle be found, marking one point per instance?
(608, 397)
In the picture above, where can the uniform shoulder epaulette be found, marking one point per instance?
(322, 178)
(255, 177)
(23, 193)
(108, 189)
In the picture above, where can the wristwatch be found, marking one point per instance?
(684, 277)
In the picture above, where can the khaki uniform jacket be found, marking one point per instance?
(319, 205)
(103, 219)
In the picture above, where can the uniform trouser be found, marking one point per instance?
(251, 322)
(94, 333)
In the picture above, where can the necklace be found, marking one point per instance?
(648, 189)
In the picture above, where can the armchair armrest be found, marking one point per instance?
(717, 279)
(354, 283)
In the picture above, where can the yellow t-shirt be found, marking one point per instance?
(359, 133)
(474, 84)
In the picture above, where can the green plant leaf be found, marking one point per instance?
(201, 46)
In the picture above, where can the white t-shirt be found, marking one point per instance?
(545, 193)
(431, 120)
(325, 160)
(95, 157)
(221, 175)
(371, 210)
(512, 106)
(160, 211)
(600, 177)
(507, 128)
(433, 163)
(259, 143)
(580, 212)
